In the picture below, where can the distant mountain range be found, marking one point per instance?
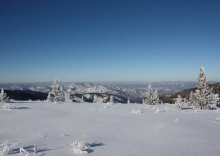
(135, 91)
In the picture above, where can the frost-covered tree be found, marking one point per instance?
(178, 102)
(94, 98)
(155, 97)
(3, 96)
(128, 101)
(203, 93)
(191, 99)
(67, 97)
(82, 99)
(49, 97)
(192, 102)
(61, 95)
(57, 94)
(143, 101)
(111, 99)
(152, 96)
(213, 100)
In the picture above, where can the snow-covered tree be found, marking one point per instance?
(94, 98)
(203, 93)
(111, 99)
(49, 97)
(3, 96)
(155, 97)
(213, 100)
(67, 97)
(178, 102)
(152, 97)
(128, 101)
(82, 100)
(143, 101)
(191, 99)
(57, 94)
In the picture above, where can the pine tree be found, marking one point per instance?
(203, 92)
(213, 100)
(67, 97)
(82, 100)
(191, 99)
(143, 101)
(128, 101)
(155, 97)
(49, 97)
(178, 102)
(3, 96)
(94, 98)
(150, 95)
(57, 94)
(111, 99)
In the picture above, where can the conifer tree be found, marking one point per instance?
(203, 92)
(178, 102)
(49, 97)
(82, 99)
(3, 96)
(143, 101)
(150, 96)
(128, 101)
(57, 94)
(111, 99)
(155, 97)
(67, 97)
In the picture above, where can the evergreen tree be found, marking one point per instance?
(67, 97)
(3, 96)
(143, 101)
(203, 92)
(82, 100)
(155, 97)
(57, 94)
(191, 99)
(150, 95)
(94, 98)
(111, 99)
(128, 101)
(178, 102)
(49, 97)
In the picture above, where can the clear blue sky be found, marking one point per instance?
(109, 40)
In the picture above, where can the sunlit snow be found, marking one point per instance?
(65, 129)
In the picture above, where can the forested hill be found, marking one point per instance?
(25, 95)
(185, 93)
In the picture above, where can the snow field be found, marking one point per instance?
(110, 129)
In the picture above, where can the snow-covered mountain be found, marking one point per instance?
(135, 91)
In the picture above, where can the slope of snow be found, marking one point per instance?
(110, 129)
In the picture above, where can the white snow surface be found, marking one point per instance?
(110, 130)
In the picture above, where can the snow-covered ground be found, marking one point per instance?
(110, 130)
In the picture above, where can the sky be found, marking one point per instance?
(109, 40)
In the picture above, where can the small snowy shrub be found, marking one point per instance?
(80, 147)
